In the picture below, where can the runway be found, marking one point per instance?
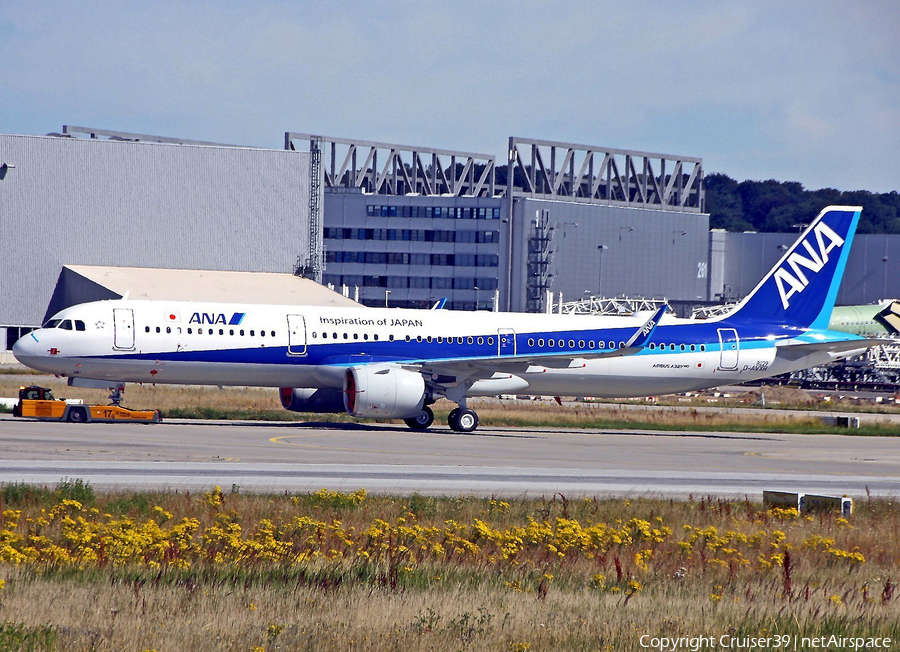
(389, 458)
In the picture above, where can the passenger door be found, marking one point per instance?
(730, 343)
(296, 335)
(123, 328)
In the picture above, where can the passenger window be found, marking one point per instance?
(158, 329)
(375, 337)
(481, 340)
(428, 339)
(418, 338)
(190, 331)
(221, 331)
(601, 345)
(231, 331)
(591, 344)
(541, 343)
(146, 329)
(242, 333)
(263, 334)
(580, 344)
(408, 338)
(273, 333)
(571, 344)
(490, 340)
(365, 336)
(469, 340)
(252, 333)
(530, 341)
(355, 336)
(168, 329)
(671, 347)
(703, 347)
(459, 340)
(391, 337)
(551, 343)
(683, 347)
(612, 345)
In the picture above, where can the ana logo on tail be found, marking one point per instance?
(795, 281)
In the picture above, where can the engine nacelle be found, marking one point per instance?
(305, 399)
(383, 391)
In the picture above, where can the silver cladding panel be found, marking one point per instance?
(649, 253)
(872, 273)
(102, 202)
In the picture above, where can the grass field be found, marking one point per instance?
(348, 571)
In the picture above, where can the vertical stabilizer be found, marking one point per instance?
(801, 289)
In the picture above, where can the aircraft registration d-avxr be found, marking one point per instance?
(393, 363)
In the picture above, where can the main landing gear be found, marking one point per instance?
(460, 419)
(422, 421)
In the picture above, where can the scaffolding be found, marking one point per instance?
(540, 256)
(608, 306)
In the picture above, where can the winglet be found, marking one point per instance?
(640, 339)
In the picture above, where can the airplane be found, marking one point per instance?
(393, 363)
(871, 320)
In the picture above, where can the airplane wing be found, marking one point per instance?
(485, 367)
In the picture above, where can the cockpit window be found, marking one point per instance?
(79, 325)
(53, 323)
(66, 324)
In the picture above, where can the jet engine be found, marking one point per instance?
(383, 391)
(305, 399)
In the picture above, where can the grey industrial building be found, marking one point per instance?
(382, 223)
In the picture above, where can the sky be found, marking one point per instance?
(805, 91)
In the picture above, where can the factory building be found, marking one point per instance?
(409, 226)
(94, 197)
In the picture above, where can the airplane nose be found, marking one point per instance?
(27, 350)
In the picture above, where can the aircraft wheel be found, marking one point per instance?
(451, 419)
(423, 421)
(465, 420)
(77, 415)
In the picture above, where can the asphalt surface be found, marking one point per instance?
(392, 459)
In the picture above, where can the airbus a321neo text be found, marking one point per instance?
(393, 363)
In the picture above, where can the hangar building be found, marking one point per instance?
(141, 201)
(408, 226)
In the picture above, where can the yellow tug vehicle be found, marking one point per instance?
(39, 403)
